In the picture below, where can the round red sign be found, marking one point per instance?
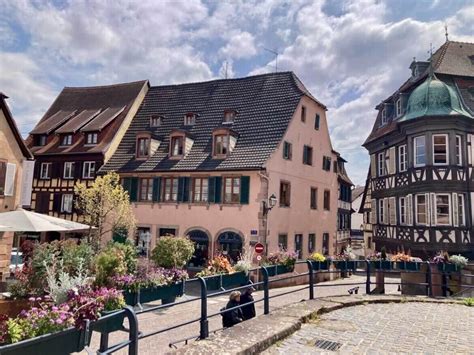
(259, 248)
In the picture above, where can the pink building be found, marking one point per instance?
(209, 159)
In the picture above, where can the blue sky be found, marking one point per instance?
(350, 54)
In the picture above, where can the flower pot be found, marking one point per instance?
(61, 343)
(111, 324)
(161, 292)
(381, 264)
(447, 267)
(130, 297)
(408, 265)
(320, 265)
(345, 264)
(274, 270)
(235, 279)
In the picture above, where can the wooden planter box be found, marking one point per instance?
(60, 343)
(320, 265)
(408, 265)
(381, 264)
(345, 264)
(111, 324)
(166, 293)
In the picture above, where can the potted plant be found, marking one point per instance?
(446, 263)
(345, 260)
(406, 262)
(110, 301)
(380, 260)
(280, 262)
(319, 262)
(220, 273)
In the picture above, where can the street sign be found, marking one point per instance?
(259, 257)
(259, 248)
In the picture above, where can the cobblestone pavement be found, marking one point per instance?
(410, 328)
(158, 344)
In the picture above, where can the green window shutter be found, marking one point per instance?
(156, 189)
(126, 184)
(183, 189)
(244, 190)
(218, 189)
(212, 189)
(134, 189)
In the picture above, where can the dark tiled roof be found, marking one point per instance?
(265, 105)
(356, 192)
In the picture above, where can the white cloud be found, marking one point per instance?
(240, 45)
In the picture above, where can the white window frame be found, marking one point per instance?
(427, 213)
(461, 211)
(384, 117)
(446, 145)
(189, 119)
(155, 121)
(381, 211)
(381, 171)
(66, 138)
(87, 172)
(69, 165)
(402, 205)
(93, 141)
(42, 140)
(398, 107)
(450, 221)
(45, 174)
(458, 150)
(402, 163)
(66, 198)
(415, 151)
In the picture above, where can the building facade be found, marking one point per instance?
(344, 205)
(78, 133)
(357, 221)
(422, 150)
(15, 163)
(230, 163)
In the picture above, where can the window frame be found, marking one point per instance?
(446, 144)
(189, 119)
(94, 135)
(233, 179)
(384, 117)
(146, 190)
(3, 176)
(426, 213)
(398, 107)
(449, 205)
(308, 153)
(317, 121)
(172, 192)
(402, 163)
(461, 210)
(327, 201)
(63, 198)
(287, 150)
(458, 150)
(415, 151)
(155, 121)
(41, 140)
(66, 140)
(201, 189)
(71, 165)
(299, 237)
(286, 201)
(84, 170)
(141, 154)
(46, 176)
(313, 197)
(231, 114)
(402, 209)
(381, 171)
(303, 113)
(311, 242)
(283, 236)
(225, 144)
(176, 140)
(381, 211)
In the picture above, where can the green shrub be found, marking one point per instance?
(129, 252)
(173, 252)
(469, 301)
(109, 263)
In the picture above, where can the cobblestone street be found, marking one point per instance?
(410, 328)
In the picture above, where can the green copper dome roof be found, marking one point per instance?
(434, 98)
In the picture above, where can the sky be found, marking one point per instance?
(350, 54)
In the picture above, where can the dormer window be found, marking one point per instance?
(143, 147)
(223, 142)
(155, 121)
(189, 119)
(66, 139)
(398, 107)
(384, 116)
(177, 146)
(40, 140)
(229, 116)
(91, 138)
(181, 143)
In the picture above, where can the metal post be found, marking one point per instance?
(429, 280)
(104, 342)
(311, 279)
(204, 323)
(133, 330)
(445, 284)
(266, 293)
(367, 281)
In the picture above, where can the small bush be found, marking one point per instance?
(469, 301)
(173, 252)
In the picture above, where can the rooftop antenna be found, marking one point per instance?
(226, 66)
(431, 71)
(275, 53)
(446, 31)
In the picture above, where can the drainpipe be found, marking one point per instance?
(265, 213)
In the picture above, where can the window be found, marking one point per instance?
(177, 146)
(307, 155)
(311, 242)
(458, 150)
(398, 106)
(317, 120)
(443, 209)
(89, 170)
(382, 211)
(460, 207)
(303, 113)
(45, 171)
(419, 150)
(200, 190)
(283, 241)
(170, 189)
(402, 158)
(146, 189)
(40, 140)
(68, 170)
(189, 119)
(440, 149)
(327, 200)
(381, 164)
(325, 243)
(421, 209)
(3, 177)
(299, 245)
(287, 150)
(403, 210)
(231, 189)
(314, 198)
(384, 117)
(66, 203)
(66, 139)
(285, 194)
(143, 147)
(221, 144)
(155, 121)
(326, 163)
(91, 138)
(229, 116)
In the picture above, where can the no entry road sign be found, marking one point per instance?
(259, 248)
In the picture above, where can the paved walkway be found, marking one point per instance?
(158, 344)
(410, 328)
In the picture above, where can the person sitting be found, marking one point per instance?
(235, 316)
(248, 311)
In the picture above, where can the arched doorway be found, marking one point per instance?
(230, 243)
(201, 251)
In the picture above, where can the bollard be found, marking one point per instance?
(311, 279)
(266, 293)
(429, 280)
(204, 323)
(367, 281)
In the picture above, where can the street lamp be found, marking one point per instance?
(267, 206)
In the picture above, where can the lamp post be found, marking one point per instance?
(267, 206)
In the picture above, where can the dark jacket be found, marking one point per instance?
(248, 311)
(233, 317)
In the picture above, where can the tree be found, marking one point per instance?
(104, 205)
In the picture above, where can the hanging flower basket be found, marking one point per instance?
(61, 343)
(381, 264)
(320, 265)
(111, 324)
(408, 265)
(345, 264)
(447, 267)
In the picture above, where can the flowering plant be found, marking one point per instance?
(458, 260)
(286, 258)
(154, 277)
(317, 257)
(401, 257)
(346, 255)
(219, 265)
(440, 258)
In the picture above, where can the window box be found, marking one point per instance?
(381, 264)
(167, 294)
(345, 264)
(274, 270)
(320, 265)
(408, 265)
(447, 267)
(111, 324)
(226, 281)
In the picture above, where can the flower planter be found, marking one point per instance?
(61, 343)
(131, 298)
(381, 264)
(167, 293)
(320, 265)
(235, 279)
(274, 270)
(408, 265)
(111, 324)
(447, 267)
(345, 264)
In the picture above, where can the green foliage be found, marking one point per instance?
(116, 259)
(17, 330)
(469, 301)
(18, 289)
(130, 254)
(173, 252)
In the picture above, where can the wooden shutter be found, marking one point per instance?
(431, 208)
(244, 189)
(373, 212)
(218, 189)
(373, 166)
(55, 170)
(215, 184)
(78, 170)
(156, 189)
(183, 189)
(133, 189)
(393, 211)
(391, 160)
(455, 206)
(57, 202)
(10, 179)
(385, 211)
(409, 207)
